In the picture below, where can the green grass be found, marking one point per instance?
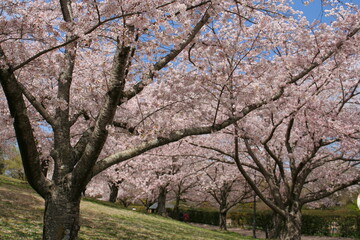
(21, 211)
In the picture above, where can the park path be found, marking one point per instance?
(261, 234)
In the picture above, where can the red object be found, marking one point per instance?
(186, 217)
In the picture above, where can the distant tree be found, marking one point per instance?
(183, 185)
(12, 162)
(114, 190)
(225, 189)
(2, 164)
(127, 194)
(162, 169)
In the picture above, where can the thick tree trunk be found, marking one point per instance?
(161, 209)
(292, 227)
(222, 222)
(61, 218)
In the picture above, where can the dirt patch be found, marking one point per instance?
(261, 234)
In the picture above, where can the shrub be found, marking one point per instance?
(349, 226)
(245, 219)
(205, 216)
(314, 223)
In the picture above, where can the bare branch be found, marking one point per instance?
(213, 149)
(173, 53)
(157, 110)
(247, 177)
(77, 115)
(288, 135)
(79, 148)
(189, 54)
(66, 10)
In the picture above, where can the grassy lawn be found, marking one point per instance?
(21, 213)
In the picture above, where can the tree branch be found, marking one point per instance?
(173, 137)
(71, 40)
(79, 148)
(323, 194)
(250, 181)
(125, 125)
(213, 149)
(37, 105)
(106, 115)
(24, 133)
(137, 88)
(313, 65)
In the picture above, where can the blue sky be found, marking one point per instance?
(314, 11)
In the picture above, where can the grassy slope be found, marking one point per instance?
(21, 218)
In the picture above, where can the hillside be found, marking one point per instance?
(21, 212)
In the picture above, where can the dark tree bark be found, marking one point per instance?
(222, 218)
(161, 209)
(45, 166)
(114, 190)
(292, 225)
(2, 167)
(176, 211)
(61, 219)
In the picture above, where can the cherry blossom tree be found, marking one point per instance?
(183, 170)
(116, 178)
(306, 145)
(301, 164)
(169, 172)
(225, 187)
(186, 181)
(306, 148)
(90, 84)
(98, 188)
(124, 183)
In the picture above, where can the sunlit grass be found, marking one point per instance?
(21, 213)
